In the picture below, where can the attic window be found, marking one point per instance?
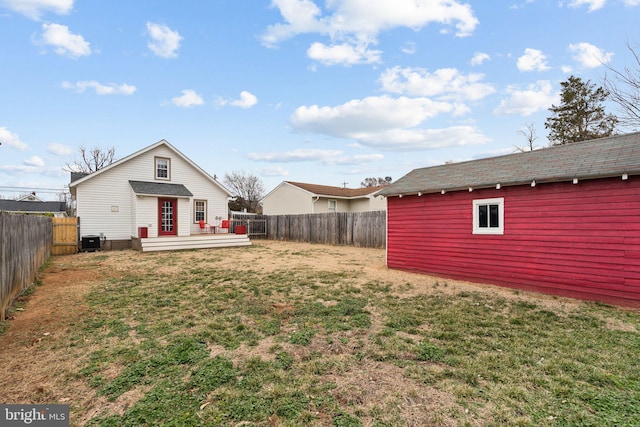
(488, 216)
(163, 168)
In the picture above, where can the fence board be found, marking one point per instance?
(362, 229)
(65, 236)
(25, 245)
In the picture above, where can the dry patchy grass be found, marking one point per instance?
(297, 334)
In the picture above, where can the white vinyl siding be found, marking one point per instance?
(96, 196)
(288, 200)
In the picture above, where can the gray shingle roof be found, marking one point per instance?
(160, 189)
(31, 206)
(598, 158)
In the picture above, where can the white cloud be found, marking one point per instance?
(247, 100)
(592, 4)
(632, 3)
(410, 48)
(370, 114)
(589, 55)
(274, 171)
(300, 16)
(100, 89)
(299, 155)
(525, 102)
(363, 20)
(59, 149)
(383, 122)
(12, 139)
(444, 83)
(532, 60)
(424, 139)
(35, 8)
(34, 161)
(64, 42)
(164, 42)
(479, 58)
(343, 54)
(189, 98)
(327, 157)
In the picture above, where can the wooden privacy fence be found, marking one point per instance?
(362, 229)
(25, 245)
(65, 236)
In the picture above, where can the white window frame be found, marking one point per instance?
(196, 211)
(476, 216)
(157, 163)
(333, 208)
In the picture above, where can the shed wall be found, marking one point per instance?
(579, 240)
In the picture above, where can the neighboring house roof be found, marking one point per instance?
(32, 206)
(31, 197)
(159, 189)
(328, 191)
(77, 178)
(598, 158)
(77, 175)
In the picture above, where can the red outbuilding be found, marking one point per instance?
(563, 220)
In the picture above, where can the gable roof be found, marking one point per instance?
(328, 191)
(77, 179)
(597, 158)
(32, 206)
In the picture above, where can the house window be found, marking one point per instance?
(163, 168)
(332, 205)
(200, 211)
(488, 216)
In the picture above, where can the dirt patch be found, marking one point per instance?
(36, 367)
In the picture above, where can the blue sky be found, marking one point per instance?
(324, 92)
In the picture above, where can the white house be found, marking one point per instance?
(153, 199)
(300, 198)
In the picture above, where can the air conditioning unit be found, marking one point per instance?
(90, 243)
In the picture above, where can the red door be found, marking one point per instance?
(167, 217)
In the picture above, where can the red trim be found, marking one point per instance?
(169, 228)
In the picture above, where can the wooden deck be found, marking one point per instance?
(197, 241)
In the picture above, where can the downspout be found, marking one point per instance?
(313, 204)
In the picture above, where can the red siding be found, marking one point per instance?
(579, 240)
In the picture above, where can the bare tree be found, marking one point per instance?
(375, 182)
(65, 197)
(530, 135)
(92, 160)
(624, 90)
(247, 189)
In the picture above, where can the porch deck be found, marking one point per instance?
(195, 241)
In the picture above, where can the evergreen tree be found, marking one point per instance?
(580, 115)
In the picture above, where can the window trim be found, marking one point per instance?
(155, 171)
(335, 205)
(195, 211)
(488, 230)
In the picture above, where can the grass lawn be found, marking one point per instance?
(289, 334)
